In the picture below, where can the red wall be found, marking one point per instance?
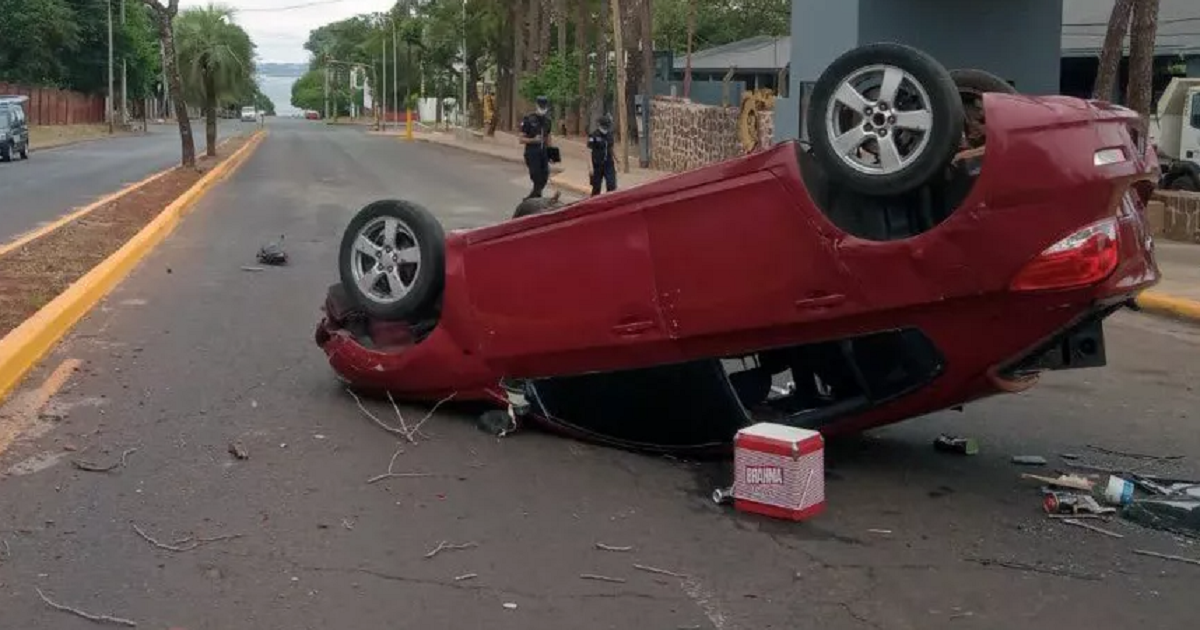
(50, 106)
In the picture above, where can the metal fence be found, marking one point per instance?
(50, 106)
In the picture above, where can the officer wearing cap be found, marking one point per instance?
(535, 135)
(604, 166)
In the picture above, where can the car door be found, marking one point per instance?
(739, 264)
(22, 127)
(568, 292)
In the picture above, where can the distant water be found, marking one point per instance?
(279, 90)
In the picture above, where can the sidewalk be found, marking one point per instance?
(1178, 294)
(571, 174)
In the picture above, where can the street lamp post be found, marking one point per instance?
(110, 101)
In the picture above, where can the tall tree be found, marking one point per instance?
(1113, 50)
(583, 50)
(1141, 56)
(217, 62)
(164, 17)
(646, 42)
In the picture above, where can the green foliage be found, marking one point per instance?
(558, 79)
(718, 22)
(64, 43)
(263, 103)
(308, 91)
(216, 57)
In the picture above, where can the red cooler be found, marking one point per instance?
(779, 471)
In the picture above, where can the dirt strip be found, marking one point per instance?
(35, 273)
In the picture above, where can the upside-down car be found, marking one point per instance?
(936, 240)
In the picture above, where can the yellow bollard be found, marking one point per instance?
(408, 126)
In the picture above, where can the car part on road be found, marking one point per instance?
(957, 445)
(537, 205)
(393, 259)
(272, 253)
(884, 119)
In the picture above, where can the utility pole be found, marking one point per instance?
(383, 84)
(110, 101)
(462, 110)
(395, 66)
(622, 106)
(124, 75)
(327, 89)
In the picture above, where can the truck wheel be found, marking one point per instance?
(392, 260)
(884, 119)
(1184, 176)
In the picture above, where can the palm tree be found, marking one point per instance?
(217, 61)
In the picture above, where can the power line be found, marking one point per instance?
(306, 5)
(1161, 22)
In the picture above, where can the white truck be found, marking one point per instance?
(1176, 134)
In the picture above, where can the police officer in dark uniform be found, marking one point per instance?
(604, 165)
(535, 135)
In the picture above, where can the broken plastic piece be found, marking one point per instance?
(1029, 460)
(953, 444)
(1178, 516)
(272, 253)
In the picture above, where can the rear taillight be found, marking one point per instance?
(1085, 257)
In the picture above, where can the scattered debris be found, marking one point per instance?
(954, 444)
(510, 606)
(253, 268)
(238, 450)
(601, 578)
(496, 422)
(1178, 515)
(91, 467)
(1029, 460)
(404, 431)
(7, 549)
(86, 615)
(467, 576)
(642, 567)
(1070, 456)
(722, 496)
(879, 531)
(1099, 530)
(603, 547)
(392, 474)
(184, 544)
(1118, 491)
(1073, 503)
(1100, 517)
(445, 546)
(1074, 482)
(1033, 568)
(1109, 451)
(347, 524)
(273, 253)
(1167, 556)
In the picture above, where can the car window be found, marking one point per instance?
(1196, 110)
(4, 117)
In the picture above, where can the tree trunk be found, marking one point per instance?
(604, 48)
(544, 31)
(518, 20)
(1141, 56)
(631, 34)
(691, 36)
(210, 114)
(1113, 51)
(187, 144)
(582, 18)
(533, 46)
(647, 44)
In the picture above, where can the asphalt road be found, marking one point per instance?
(54, 181)
(192, 353)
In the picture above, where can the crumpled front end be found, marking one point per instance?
(413, 361)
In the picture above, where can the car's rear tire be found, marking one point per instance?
(6, 153)
(392, 260)
(24, 152)
(916, 126)
(974, 82)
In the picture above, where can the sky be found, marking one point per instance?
(280, 27)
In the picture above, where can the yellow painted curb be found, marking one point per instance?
(22, 348)
(1164, 304)
(562, 182)
(37, 233)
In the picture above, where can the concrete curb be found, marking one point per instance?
(1169, 305)
(24, 347)
(39, 232)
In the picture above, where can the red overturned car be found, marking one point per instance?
(937, 239)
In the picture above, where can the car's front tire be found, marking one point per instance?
(884, 119)
(6, 152)
(392, 260)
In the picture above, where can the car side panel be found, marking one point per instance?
(738, 256)
(571, 297)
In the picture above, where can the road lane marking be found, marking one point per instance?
(25, 410)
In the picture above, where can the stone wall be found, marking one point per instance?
(1176, 216)
(685, 136)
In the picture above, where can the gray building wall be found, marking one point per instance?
(1019, 40)
(1193, 66)
(704, 92)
